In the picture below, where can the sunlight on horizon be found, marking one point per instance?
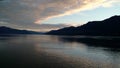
(36, 13)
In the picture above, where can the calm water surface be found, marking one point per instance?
(41, 51)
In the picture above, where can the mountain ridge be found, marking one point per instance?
(8, 30)
(107, 27)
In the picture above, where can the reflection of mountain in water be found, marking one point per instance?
(108, 27)
(41, 51)
(111, 42)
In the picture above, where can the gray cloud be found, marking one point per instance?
(28, 12)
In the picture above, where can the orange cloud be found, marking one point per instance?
(75, 7)
(25, 12)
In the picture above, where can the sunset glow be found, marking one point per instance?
(33, 13)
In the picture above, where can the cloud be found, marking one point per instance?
(47, 27)
(29, 12)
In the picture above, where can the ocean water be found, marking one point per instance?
(46, 51)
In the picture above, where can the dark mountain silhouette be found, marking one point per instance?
(107, 27)
(7, 30)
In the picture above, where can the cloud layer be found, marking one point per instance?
(29, 12)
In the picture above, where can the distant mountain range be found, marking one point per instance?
(107, 27)
(8, 30)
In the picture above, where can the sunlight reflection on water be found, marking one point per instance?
(28, 48)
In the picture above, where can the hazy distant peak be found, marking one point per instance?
(8, 30)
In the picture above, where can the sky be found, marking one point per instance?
(45, 15)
